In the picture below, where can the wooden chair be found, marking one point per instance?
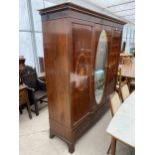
(24, 100)
(115, 103)
(120, 81)
(36, 88)
(125, 91)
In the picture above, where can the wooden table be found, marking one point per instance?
(122, 125)
(23, 98)
(126, 55)
(128, 70)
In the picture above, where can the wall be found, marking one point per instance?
(30, 31)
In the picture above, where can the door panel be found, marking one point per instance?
(113, 58)
(82, 35)
(98, 29)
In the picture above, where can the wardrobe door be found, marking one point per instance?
(82, 39)
(99, 79)
(113, 60)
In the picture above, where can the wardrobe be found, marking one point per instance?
(81, 54)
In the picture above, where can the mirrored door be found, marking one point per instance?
(100, 66)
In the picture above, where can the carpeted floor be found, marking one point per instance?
(34, 138)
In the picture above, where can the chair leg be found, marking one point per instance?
(29, 110)
(109, 149)
(36, 108)
(20, 110)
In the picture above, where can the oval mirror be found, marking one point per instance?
(100, 63)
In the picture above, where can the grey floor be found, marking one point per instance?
(34, 138)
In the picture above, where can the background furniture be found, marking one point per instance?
(126, 58)
(122, 125)
(23, 98)
(121, 81)
(115, 103)
(132, 85)
(128, 72)
(42, 76)
(41, 64)
(125, 92)
(36, 88)
(73, 37)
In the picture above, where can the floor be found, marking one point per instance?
(34, 137)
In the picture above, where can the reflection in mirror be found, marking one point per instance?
(100, 63)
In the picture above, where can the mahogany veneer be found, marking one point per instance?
(70, 36)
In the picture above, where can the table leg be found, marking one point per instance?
(113, 146)
(109, 149)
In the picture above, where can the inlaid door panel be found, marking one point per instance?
(113, 59)
(82, 35)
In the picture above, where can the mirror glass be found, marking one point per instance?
(100, 65)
